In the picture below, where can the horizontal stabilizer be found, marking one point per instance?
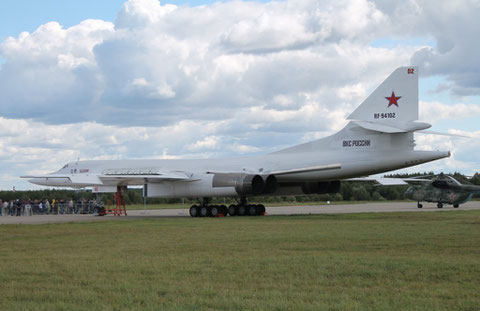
(444, 134)
(393, 126)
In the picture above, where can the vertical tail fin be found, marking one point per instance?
(395, 99)
(391, 109)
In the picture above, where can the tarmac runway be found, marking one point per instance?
(278, 210)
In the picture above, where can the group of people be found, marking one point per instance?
(45, 207)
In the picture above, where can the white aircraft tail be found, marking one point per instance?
(395, 99)
(385, 120)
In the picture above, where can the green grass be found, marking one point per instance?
(391, 261)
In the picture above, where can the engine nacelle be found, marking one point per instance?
(249, 185)
(270, 184)
(246, 184)
(321, 187)
(214, 185)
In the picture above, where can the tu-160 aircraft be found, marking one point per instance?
(378, 138)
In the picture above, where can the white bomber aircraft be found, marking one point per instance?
(378, 138)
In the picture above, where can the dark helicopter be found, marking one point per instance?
(442, 189)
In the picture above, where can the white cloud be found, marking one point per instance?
(209, 142)
(159, 63)
(447, 112)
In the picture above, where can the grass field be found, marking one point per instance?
(394, 261)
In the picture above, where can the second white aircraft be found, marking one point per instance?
(379, 138)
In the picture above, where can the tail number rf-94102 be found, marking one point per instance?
(384, 115)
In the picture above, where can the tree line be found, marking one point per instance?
(349, 191)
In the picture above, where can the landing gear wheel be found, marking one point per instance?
(242, 211)
(214, 210)
(439, 205)
(260, 209)
(419, 205)
(455, 205)
(223, 210)
(232, 210)
(194, 211)
(252, 210)
(204, 211)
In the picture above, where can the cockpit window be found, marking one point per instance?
(65, 166)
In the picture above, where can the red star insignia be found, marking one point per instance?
(392, 100)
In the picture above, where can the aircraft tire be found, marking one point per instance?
(439, 205)
(252, 210)
(194, 211)
(455, 205)
(214, 210)
(232, 210)
(419, 205)
(204, 211)
(260, 209)
(242, 210)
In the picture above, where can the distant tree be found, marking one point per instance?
(337, 197)
(377, 196)
(359, 193)
(475, 179)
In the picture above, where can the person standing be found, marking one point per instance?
(10, 207)
(28, 208)
(5, 208)
(70, 207)
(19, 207)
(47, 206)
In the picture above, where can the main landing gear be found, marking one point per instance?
(240, 209)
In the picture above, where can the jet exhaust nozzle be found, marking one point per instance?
(249, 185)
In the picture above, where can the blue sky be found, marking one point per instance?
(17, 16)
(235, 78)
